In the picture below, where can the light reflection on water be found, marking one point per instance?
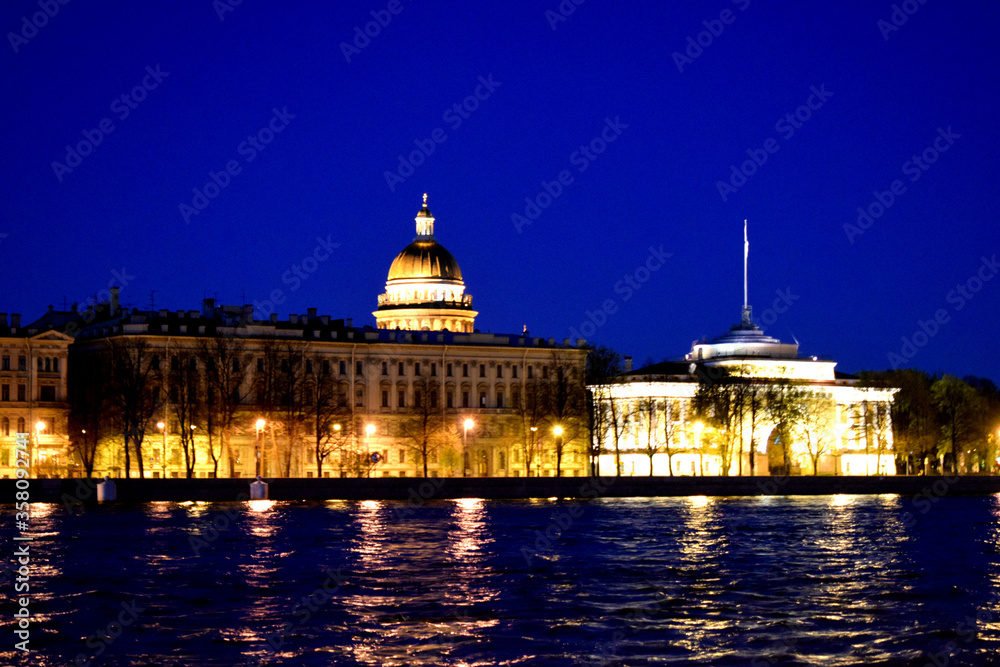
(835, 580)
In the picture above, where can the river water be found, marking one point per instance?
(828, 580)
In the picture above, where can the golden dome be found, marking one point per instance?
(425, 259)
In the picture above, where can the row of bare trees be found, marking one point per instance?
(213, 388)
(121, 386)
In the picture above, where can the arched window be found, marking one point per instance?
(20, 425)
(5, 426)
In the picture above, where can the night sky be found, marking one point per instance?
(630, 122)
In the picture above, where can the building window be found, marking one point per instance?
(402, 456)
(418, 399)
(434, 370)
(343, 368)
(40, 368)
(21, 392)
(499, 398)
(531, 372)
(47, 393)
(55, 364)
(515, 399)
(6, 362)
(545, 372)
(22, 363)
(465, 399)
(359, 398)
(154, 363)
(482, 399)
(358, 368)
(20, 425)
(385, 398)
(401, 371)
(326, 366)
(433, 396)
(5, 427)
(5, 392)
(401, 399)
(499, 371)
(385, 368)
(448, 370)
(260, 364)
(450, 399)
(513, 372)
(465, 370)
(416, 368)
(482, 370)
(309, 366)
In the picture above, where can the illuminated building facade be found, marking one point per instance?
(822, 420)
(422, 384)
(33, 387)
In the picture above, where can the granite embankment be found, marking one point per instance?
(73, 491)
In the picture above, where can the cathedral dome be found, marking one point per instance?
(425, 290)
(425, 259)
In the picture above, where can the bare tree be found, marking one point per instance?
(226, 365)
(423, 431)
(89, 406)
(184, 390)
(331, 417)
(135, 393)
(819, 425)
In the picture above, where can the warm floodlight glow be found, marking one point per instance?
(260, 424)
(469, 424)
(558, 430)
(336, 427)
(370, 429)
(699, 427)
(40, 426)
(160, 425)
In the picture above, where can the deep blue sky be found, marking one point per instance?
(655, 185)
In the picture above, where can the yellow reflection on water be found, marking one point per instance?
(260, 505)
(842, 500)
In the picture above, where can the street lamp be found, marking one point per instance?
(558, 430)
(260, 425)
(39, 427)
(531, 452)
(163, 448)
(465, 445)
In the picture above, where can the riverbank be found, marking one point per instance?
(72, 491)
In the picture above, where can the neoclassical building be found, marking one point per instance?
(33, 399)
(423, 384)
(822, 419)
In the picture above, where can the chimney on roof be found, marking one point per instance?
(207, 307)
(628, 364)
(3, 319)
(15, 320)
(294, 319)
(350, 322)
(274, 318)
(74, 308)
(114, 301)
(312, 313)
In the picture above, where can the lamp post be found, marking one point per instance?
(260, 425)
(558, 431)
(465, 445)
(531, 452)
(163, 448)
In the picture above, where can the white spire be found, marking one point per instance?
(747, 319)
(746, 254)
